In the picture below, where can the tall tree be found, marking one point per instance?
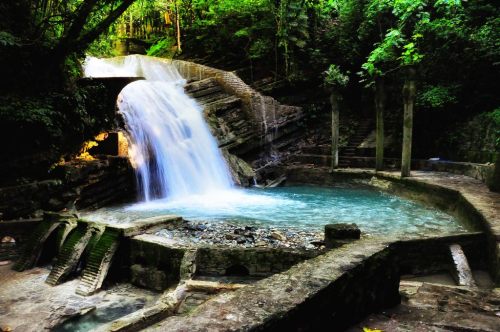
(335, 80)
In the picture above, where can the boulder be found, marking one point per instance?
(339, 234)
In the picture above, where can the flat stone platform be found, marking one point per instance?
(429, 307)
(140, 226)
(28, 304)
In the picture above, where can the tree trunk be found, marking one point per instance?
(178, 26)
(130, 25)
(334, 101)
(379, 110)
(409, 91)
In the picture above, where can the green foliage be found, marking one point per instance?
(103, 46)
(164, 48)
(383, 54)
(410, 55)
(437, 97)
(335, 78)
(7, 39)
(292, 31)
(260, 48)
(480, 133)
(494, 117)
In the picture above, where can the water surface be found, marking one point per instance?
(300, 207)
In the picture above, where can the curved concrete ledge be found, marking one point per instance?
(468, 199)
(336, 288)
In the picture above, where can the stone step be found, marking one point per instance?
(205, 92)
(212, 98)
(224, 105)
(201, 85)
(70, 253)
(99, 262)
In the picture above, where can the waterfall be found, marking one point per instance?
(171, 146)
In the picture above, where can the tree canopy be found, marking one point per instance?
(453, 44)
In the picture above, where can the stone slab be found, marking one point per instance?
(141, 226)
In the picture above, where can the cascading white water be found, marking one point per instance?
(171, 147)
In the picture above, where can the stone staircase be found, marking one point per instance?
(80, 244)
(319, 155)
(244, 121)
(363, 130)
(99, 262)
(71, 252)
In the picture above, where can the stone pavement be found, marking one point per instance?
(429, 307)
(28, 304)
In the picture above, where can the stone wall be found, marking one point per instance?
(258, 262)
(154, 264)
(328, 292)
(76, 184)
(432, 255)
(477, 171)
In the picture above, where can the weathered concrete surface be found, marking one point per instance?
(437, 308)
(256, 262)
(28, 304)
(357, 276)
(474, 200)
(429, 256)
(156, 263)
(141, 226)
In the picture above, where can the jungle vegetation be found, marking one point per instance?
(434, 61)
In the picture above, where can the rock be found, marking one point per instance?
(278, 236)
(239, 231)
(318, 243)
(339, 234)
(231, 236)
(241, 172)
